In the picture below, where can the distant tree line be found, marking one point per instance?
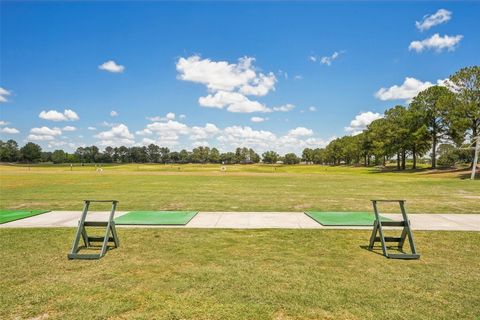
(440, 119)
(31, 153)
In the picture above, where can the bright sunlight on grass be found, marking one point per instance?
(238, 274)
(241, 188)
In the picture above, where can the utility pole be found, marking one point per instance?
(475, 158)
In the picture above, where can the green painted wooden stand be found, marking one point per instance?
(406, 232)
(110, 233)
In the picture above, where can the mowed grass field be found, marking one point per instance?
(238, 274)
(239, 188)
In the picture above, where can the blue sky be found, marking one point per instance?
(278, 75)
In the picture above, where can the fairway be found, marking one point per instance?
(240, 188)
(238, 274)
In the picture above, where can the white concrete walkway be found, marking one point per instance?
(254, 220)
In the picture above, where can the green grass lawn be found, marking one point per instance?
(238, 274)
(241, 188)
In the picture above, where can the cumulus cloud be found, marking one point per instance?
(261, 140)
(9, 130)
(312, 109)
(44, 134)
(437, 43)
(113, 113)
(257, 119)
(246, 136)
(168, 133)
(111, 66)
(168, 116)
(202, 133)
(92, 128)
(118, 135)
(260, 86)
(46, 131)
(69, 128)
(300, 132)
(234, 101)
(3, 123)
(4, 93)
(216, 75)
(229, 84)
(407, 90)
(430, 20)
(361, 121)
(36, 137)
(173, 133)
(54, 115)
(284, 108)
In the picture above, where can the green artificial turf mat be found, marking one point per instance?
(156, 217)
(344, 218)
(12, 215)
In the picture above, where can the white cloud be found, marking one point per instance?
(202, 133)
(228, 84)
(46, 131)
(4, 93)
(361, 121)
(167, 132)
(312, 109)
(284, 108)
(116, 136)
(298, 77)
(260, 86)
(54, 115)
(215, 75)
(238, 136)
(327, 60)
(407, 90)
(261, 140)
(69, 128)
(44, 134)
(3, 123)
(111, 66)
(437, 43)
(172, 133)
(182, 116)
(168, 116)
(234, 101)
(9, 130)
(108, 124)
(148, 141)
(35, 137)
(300, 132)
(144, 132)
(312, 58)
(92, 128)
(430, 20)
(200, 144)
(113, 113)
(258, 119)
